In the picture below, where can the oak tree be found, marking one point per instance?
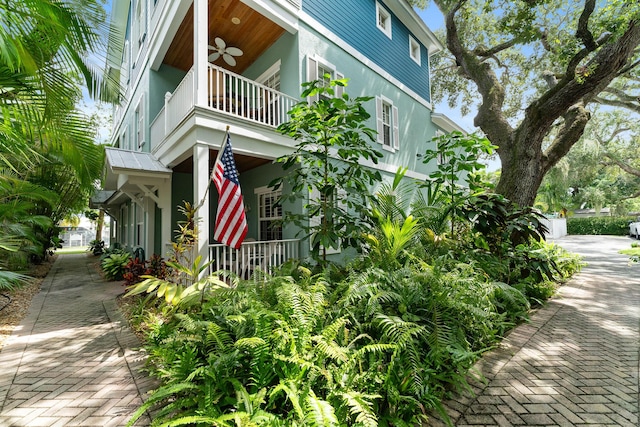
(533, 69)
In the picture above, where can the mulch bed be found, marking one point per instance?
(15, 310)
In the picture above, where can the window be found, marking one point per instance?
(123, 141)
(383, 19)
(319, 69)
(139, 123)
(269, 214)
(139, 29)
(266, 100)
(139, 230)
(387, 124)
(126, 55)
(414, 50)
(271, 77)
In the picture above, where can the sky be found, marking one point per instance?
(435, 21)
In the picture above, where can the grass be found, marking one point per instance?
(73, 250)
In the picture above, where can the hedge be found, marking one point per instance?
(610, 225)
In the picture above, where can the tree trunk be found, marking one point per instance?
(99, 224)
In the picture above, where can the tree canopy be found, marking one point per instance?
(534, 70)
(48, 160)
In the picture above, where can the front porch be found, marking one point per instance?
(253, 257)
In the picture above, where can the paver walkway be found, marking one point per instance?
(576, 362)
(72, 362)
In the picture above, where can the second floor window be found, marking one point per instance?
(387, 124)
(319, 69)
(414, 50)
(139, 123)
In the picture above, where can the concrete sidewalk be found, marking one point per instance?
(576, 362)
(72, 361)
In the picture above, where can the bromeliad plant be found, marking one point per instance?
(186, 282)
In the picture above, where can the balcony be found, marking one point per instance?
(228, 94)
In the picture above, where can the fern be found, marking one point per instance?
(361, 406)
(319, 412)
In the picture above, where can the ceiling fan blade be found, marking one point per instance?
(229, 59)
(234, 51)
(220, 43)
(214, 56)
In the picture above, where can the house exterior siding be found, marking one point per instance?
(342, 33)
(354, 21)
(416, 128)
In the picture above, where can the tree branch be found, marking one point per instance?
(583, 32)
(629, 105)
(575, 120)
(496, 49)
(490, 117)
(625, 167)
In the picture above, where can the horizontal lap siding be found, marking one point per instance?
(354, 21)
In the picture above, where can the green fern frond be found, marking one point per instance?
(361, 406)
(319, 412)
(158, 396)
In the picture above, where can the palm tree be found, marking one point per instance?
(47, 50)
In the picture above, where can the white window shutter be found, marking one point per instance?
(312, 74)
(396, 132)
(379, 122)
(339, 89)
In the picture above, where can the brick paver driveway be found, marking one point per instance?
(576, 363)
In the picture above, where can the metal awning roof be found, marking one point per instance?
(125, 164)
(134, 161)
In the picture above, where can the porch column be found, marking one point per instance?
(166, 226)
(200, 49)
(149, 225)
(200, 184)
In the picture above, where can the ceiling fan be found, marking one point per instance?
(227, 53)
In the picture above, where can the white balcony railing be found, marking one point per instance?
(253, 257)
(234, 94)
(228, 93)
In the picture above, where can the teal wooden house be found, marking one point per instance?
(189, 69)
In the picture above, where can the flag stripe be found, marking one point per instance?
(231, 221)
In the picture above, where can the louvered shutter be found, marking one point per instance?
(312, 74)
(396, 132)
(379, 122)
(339, 89)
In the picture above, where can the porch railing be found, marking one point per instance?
(234, 94)
(253, 257)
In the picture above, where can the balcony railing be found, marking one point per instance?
(231, 93)
(253, 257)
(227, 93)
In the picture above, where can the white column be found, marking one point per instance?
(149, 224)
(166, 226)
(200, 184)
(200, 49)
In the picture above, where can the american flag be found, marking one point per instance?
(231, 222)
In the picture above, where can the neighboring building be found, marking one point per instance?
(188, 69)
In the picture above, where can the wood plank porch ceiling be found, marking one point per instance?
(243, 163)
(253, 35)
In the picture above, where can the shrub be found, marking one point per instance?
(115, 264)
(609, 225)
